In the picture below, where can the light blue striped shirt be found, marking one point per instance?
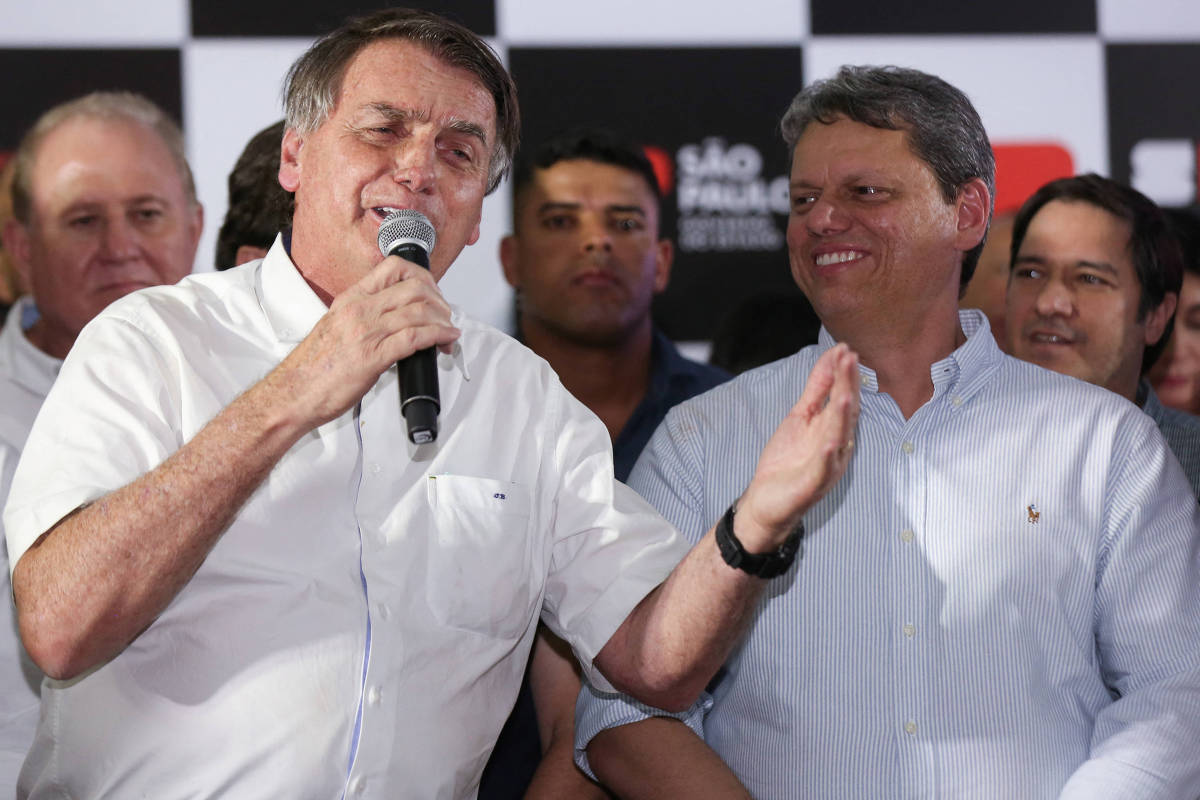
(972, 597)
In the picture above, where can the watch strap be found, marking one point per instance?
(760, 565)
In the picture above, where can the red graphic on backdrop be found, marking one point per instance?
(664, 168)
(1022, 168)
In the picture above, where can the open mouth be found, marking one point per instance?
(382, 212)
(1051, 338)
(837, 257)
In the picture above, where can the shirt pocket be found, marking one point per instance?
(480, 578)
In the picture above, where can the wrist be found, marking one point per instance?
(766, 563)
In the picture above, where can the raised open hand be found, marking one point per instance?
(807, 454)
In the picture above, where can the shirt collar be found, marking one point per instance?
(31, 368)
(1149, 401)
(292, 308)
(964, 369)
(290, 305)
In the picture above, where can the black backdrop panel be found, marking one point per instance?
(1152, 96)
(712, 116)
(317, 17)
(866, 17)
(52, 76)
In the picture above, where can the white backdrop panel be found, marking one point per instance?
(1046, 89)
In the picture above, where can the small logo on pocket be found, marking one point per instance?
(1034, 516)
(500, 496)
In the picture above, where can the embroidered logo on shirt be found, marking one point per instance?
(1034, 514)
(500, 496)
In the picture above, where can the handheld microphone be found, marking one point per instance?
(408, 234)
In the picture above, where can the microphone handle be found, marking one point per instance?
(419, 399)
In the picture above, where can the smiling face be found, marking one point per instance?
(407, 131)
(586, 259)
(1073, 298)
(870, 237)
(109, 214)
(1176, 376)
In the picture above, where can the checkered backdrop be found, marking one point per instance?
(1063, 86)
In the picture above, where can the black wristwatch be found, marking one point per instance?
(760, 565)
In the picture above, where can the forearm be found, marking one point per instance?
(675, 640)
(558, 777)
(554, 682)
(662, 758)
(90, 585)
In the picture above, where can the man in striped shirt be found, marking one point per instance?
(1001, 597)
(1095, 278)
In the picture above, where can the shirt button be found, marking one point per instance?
(374, 696)
(384, 611)
(907, 447)
(907, 535)
(910, 728)
(956, 400)
(910, 630)
(375, 469)
(358, 786)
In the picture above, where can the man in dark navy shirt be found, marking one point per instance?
(586, 259)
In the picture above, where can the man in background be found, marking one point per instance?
(586, 258)
(259, 208)
(1096, 273)
(103, 204)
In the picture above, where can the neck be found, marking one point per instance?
(49, 340)
(902, 352)
(610, 379)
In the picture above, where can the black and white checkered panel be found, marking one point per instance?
(1064, 86)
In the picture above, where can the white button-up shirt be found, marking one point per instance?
(26, 375)
(363, 625)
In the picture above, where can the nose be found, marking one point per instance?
(1055, 299)
(118, 240)
(596, 236)
(415, 159)
(826, 217)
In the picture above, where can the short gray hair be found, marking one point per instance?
(315, 80)
(110, 106)
(942, 127)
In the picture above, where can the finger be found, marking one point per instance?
(820, 382)
(391, 271)
(405, 342)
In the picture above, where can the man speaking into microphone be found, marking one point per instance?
(241, 576)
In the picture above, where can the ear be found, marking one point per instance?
(973, 207)
(196, 224)
(289, 160)
(510, 251)
(1156, 318)
(17, 243)
(474, 237)
(664, 257)
(248, 252)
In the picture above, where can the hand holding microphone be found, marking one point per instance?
(408, 234)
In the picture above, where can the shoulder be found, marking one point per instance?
(752, 401)
(200, 296)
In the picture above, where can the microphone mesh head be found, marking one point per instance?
(406, 226)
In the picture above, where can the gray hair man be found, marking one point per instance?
(276, 575)
(1001, 596)
(103, 204)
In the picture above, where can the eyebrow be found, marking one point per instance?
(614, 208)
(1102, 266)
(87, 204)
(394, 114)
